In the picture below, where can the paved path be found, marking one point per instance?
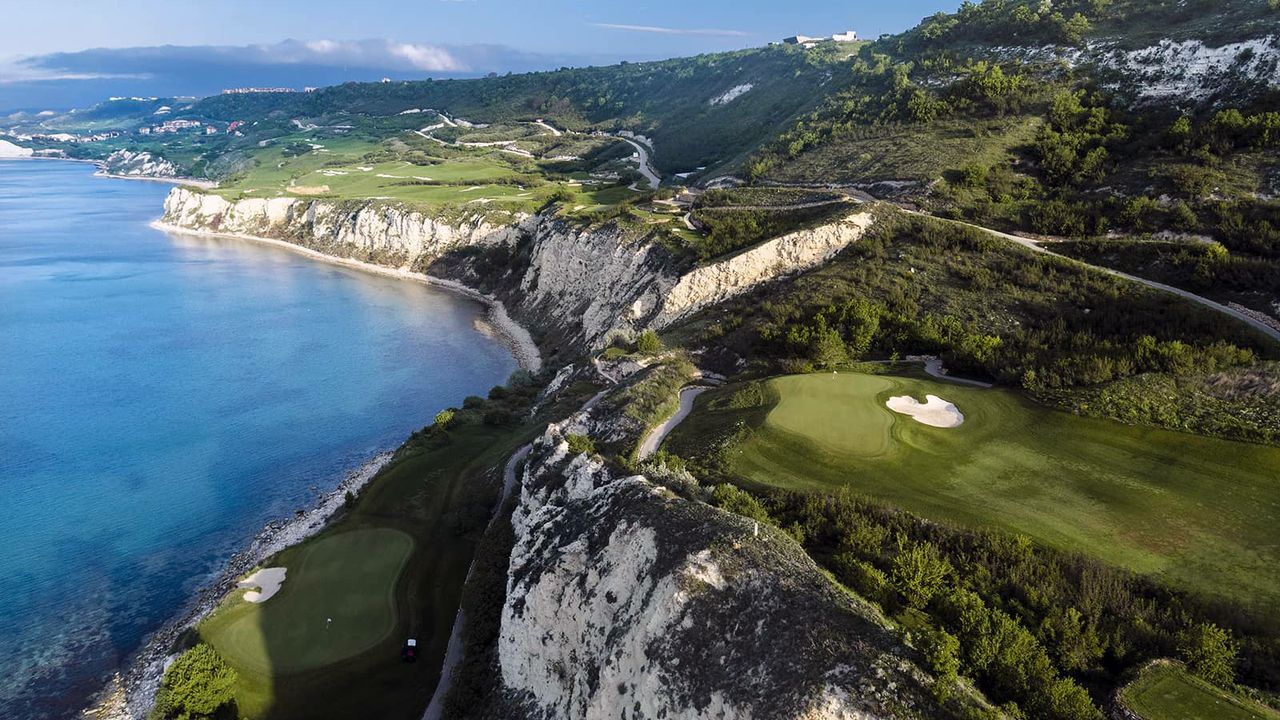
(646, 167)
(654, 439)
(797, 206)
(542, 124)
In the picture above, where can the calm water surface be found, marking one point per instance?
(162, 397)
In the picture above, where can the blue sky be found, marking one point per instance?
(573, 26)
(78, 52)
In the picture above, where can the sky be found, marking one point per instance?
(42, 58)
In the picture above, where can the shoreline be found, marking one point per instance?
(514, 336)
(131, 692)
(102, 172)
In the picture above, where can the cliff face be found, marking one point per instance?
(575, 286)
(710, 284)
(625, 601)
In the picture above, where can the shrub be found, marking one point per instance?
(941, 652)
(730, 498)
(919, 572)
(1210, 652)
(444, 419)
(579, 444)
(197, 685)
(648, 342)
(866, 579)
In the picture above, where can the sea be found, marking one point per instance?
(162, 397)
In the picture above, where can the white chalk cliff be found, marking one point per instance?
(625, 601)
(583, 284)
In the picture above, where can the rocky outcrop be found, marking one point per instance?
(9, 150)
(129, 163)
(794, 252)
(1183, 72)
(575, 286)
(625, 602)
(384, 234)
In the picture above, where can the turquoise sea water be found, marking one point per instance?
(161, 397)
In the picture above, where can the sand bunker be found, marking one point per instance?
(934, 411)
(267, 581)
(308, 189)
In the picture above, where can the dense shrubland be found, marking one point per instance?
(1048, 634)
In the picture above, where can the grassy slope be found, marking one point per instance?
(1166, 691)
(921, 153)
(1149, 500)
(353, 574)
(439, 496)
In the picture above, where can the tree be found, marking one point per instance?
(1210, 652)
(918, 572)
(197, 685)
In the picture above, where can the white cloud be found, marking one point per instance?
(715, 32)
(426, 57)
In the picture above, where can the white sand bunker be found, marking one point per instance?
(267, 581)
(934, 411)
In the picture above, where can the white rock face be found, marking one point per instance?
(9, 150)
(768, 261)
(1190, 70)
(624, 601)
(587, 284)
(139, 164)
(1179, 72)
(385, 234)
(731, 94)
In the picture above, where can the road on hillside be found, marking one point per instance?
(1030, 244)
(646, 167)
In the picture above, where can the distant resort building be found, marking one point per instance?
(808, 42)
(252, 90)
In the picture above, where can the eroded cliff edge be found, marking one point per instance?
(625, 600)
(572, 285)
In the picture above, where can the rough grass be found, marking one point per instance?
(1198, 512)
(1166, 691)
(909, 152)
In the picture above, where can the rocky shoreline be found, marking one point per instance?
(130, 694)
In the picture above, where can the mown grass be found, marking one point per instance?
(342, 585)
(1198, 512)
(439, 491)
(1166, 691)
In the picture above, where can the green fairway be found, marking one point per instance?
(348, 577)
(1200, 512)
(1166, 691)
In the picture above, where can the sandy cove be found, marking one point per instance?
(516, 337)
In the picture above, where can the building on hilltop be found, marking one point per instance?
(807, 42)
(251, 90)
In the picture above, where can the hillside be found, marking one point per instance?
(814, 229)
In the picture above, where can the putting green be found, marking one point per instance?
(349, 577)
(1199, 511)
(1166, 691)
